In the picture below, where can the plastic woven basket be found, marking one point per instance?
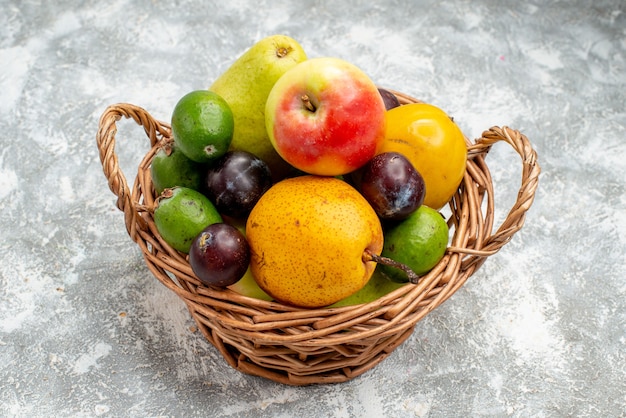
(328, 345)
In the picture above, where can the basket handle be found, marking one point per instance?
(155, 130)
(526, 194)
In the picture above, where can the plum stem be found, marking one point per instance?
(369, 256)
(306, 101)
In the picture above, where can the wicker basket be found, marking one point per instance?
(310, 346)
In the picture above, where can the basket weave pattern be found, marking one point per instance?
(328, 345)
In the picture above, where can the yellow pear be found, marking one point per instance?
(245, 86)
(312, 240)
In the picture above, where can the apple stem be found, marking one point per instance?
(369, 256)
(307, 103)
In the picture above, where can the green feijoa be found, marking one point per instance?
(181, 214)
(419, 242)
(170, 167)
(202, 125)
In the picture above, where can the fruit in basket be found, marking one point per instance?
(246, 84)
(420, 241)
(170, 168)
(310, 237)
(236, 181)
(219, 255)
(433, 143)
(389, 98)
(202, 125)
(325, 116)
(247, 286)
(181, 214)
(377, 286)
(391, 184)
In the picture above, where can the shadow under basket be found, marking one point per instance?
(328, 345)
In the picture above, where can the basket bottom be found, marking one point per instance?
(298, 365)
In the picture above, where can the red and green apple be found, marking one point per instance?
(325, 116)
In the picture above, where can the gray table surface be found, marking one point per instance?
(85, 330)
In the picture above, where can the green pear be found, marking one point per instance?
(246, 286)
(245, 86)
(377, 286)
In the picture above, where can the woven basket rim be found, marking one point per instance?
(323, 345)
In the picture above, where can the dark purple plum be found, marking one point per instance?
(236, 181)
(389, 98)
(393, 187)
(219, 255)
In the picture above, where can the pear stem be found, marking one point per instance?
(306, 101)
(369, 256)
(282, 52)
